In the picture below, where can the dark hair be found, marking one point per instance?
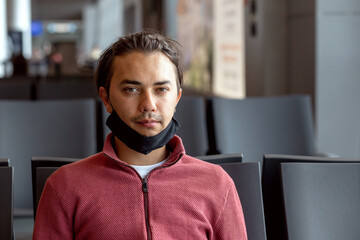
(146, 41)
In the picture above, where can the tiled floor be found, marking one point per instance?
(23, 227)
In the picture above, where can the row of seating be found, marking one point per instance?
(25, 88)
(65, 128)
(294, 197)
(310, 198)
(253, 126)
(245, 175)
(76, 128)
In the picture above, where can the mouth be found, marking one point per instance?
(148, 123)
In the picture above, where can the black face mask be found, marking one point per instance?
(136, 141)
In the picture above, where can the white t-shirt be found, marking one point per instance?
(144, 170)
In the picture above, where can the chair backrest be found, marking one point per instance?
(65, 128)
(6, 202)
(190, 113)
(66, 90)
(4, 162)
(259, 125)
(222, 158)
(246, 177)
(272, 189)
(322, 200)
(16, 88)
(41, 169)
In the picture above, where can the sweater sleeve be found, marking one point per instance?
(51, 221)
(231, 224)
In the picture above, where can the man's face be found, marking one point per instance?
(143, 91)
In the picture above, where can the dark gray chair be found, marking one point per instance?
(65, 128)
(6, 202)
(41, 169)
(222, 158)
(272, 189)
(4, 162)
(190, 113)
(77, 89)
(322, 200)
(246, 177)
(260, 125)
(16, 88)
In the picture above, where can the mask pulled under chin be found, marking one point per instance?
(136, 141)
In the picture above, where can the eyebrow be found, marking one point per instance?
(134, 82)
(162, 83)
(127, 81)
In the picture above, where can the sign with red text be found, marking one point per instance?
(229, 49)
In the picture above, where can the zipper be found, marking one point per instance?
(147, 221)
(145, 190)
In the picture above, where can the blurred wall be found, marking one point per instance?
(309, 47)
(266, 42)
(338, 76)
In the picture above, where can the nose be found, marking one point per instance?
(147, 102)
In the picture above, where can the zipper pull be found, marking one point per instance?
(144, 186)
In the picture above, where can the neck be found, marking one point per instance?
(132, 157)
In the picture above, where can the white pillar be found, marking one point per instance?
(89, 16)
(20, 20)
(3, 37)
(170, 7)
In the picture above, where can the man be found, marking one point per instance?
(142, 185)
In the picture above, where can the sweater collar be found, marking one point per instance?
(175, 145)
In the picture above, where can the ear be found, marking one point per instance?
(105, 99)
(179, 96)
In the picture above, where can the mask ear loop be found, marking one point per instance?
(111, 103)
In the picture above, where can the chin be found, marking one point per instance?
(149, 133)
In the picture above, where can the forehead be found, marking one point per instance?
(138, 64)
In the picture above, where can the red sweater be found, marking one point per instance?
(102, 197)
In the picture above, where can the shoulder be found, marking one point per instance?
(212, 173)
(76, 171)
(189, 160)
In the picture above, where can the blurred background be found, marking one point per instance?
(233, 49)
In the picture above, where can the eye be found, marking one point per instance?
(130, 90)
(162, 89)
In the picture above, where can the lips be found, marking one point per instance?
(148, 123)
